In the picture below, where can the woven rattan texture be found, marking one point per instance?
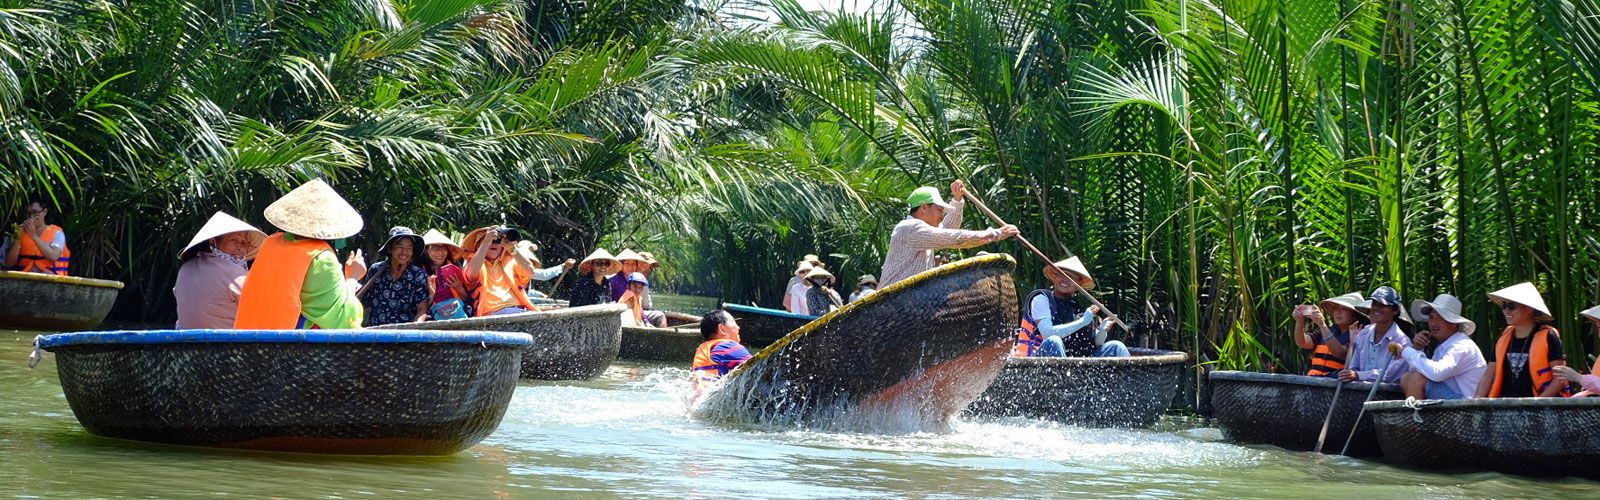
(38, 302)
(1287, 410)
(568, 344)
(1090, 392)
(1532, 436)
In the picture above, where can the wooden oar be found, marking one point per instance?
(1382, 372)
(1047, 261)
(1323, 436)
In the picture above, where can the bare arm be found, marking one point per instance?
(1556, 384)
(1302, 337)
(422, 311)
(1487, 382)
(476, 262)
(523, 263)
(50, 253)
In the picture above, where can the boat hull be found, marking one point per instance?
(904, 359)
(760, 327)
(335, 391)
(1287, 411)
(1529, 436)
(1090, 392)
(576, 343)
(675, 345)
(54, 303)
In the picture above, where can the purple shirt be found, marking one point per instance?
(619, 285)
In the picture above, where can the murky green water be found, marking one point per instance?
(627, 435)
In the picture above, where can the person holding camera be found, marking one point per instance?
(37, 246)
(499, 273)
(1328, 343)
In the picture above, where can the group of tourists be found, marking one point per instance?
(1528, 357)
(810, 291)
(623, 278)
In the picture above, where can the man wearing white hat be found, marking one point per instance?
(1457, 364)
(1527, 351)
(1590, 382)
(297, 281)
(1054, 325)
(212, 272)
(932, 225)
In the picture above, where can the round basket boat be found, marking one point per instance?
(1287, 411)
(904, 359)
(675, 343)
(576, 343)
(760, 327)
(54, 303)
(352, 392)
(1530, 436)
(1090, 392)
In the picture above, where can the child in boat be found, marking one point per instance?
(1054, 325)
(1527, 352)
(719, 354)
(1328, 346)
(449, 283)
(821, 299)
(1457, 364)
(1591, 382)
(634, 299)
(497, 272)
(593, 288)
(296, 282)
(1367, 355)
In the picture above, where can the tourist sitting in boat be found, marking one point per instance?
(718, 355)
(821, 298)
(1456, 366)
(794, 296)
(1590, 382)
(1328, 346)
(396, 290)
(212, 272)
(497, 273)
(865, 286)
(38, 246)
(1368, 353)
(594, 287)
(296, 281)
(651, 315)
(451, 299)
(1527, 352)
(630, 262)
(1053, 325)
(634, 299)
(932, 225)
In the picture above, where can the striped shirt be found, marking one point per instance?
(913, 242)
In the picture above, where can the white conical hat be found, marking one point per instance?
(1592, 313)
(1526, 294)
(314, 210)
(628, 254)
(1074, 268)
(587, 265)
(221, 224)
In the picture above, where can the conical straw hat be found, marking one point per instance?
(628, 254)
(1352, 301)
(434, 237)
(1592, 313)
(1075, 269)
(1524, 293)
(221, 224)
(314, 210)
(599, 254)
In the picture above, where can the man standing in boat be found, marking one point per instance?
(1369, 349)
(1054, 325)
(932, 225)
(296, 282)
(37, 246)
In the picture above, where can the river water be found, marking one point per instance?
(627, 434)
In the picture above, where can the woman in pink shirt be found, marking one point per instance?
(213, 271)
(1591, 382)
(448, 282)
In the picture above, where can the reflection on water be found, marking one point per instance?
(628, 434)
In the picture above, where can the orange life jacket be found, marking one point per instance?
(271, 296)
(31, 260)
(1323, 362)
(1538, 361)
(703, 372)
(509, 271)
(1028, 337)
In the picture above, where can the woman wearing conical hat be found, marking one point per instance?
(212, 272)
(631, 262)
(297, 281)
(1526, 351)
(593, 288)
(1590, 382)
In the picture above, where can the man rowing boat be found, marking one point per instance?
(932, 225)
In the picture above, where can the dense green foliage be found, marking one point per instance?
(1214, 161)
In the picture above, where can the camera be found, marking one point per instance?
(508, 233)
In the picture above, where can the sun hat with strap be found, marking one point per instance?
(221, 224)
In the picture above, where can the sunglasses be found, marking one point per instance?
(1508, 306)
(32, 213)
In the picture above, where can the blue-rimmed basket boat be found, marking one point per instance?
(1090, 392)
(904, 359)
(54, 303)
(1287, 411)
(1529, 436)
(675, 343)
(576, 343)
(356, 392)
(760, 327)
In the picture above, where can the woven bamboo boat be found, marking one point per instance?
(675, 343)
(1287, 411)
(1530, 436)
(760, 327)
(353, 392)
(904, 359)
(576, 343)
(1090, 392)
(54, 303)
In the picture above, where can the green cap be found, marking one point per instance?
(925, 195)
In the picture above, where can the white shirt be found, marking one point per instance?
(863, 293)
(1457, 362)
(797, 297)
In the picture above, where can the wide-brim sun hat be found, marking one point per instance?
(314, 210)
(817, 272)
(401, 232)
(867, 278)
(434, 237)
(221, 224)
(925, 195)
(1074, 268)
(803, 267)
(599, 255)
(1526, 294)
(1352, 301)
(1448, 307)
(1592, 313)
(628, 254)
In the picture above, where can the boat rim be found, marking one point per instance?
(765, 311)
(1443, 404)
(61, 280)
(1140, 357)
(149, 337)
(580, 311)
(1293, 379)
